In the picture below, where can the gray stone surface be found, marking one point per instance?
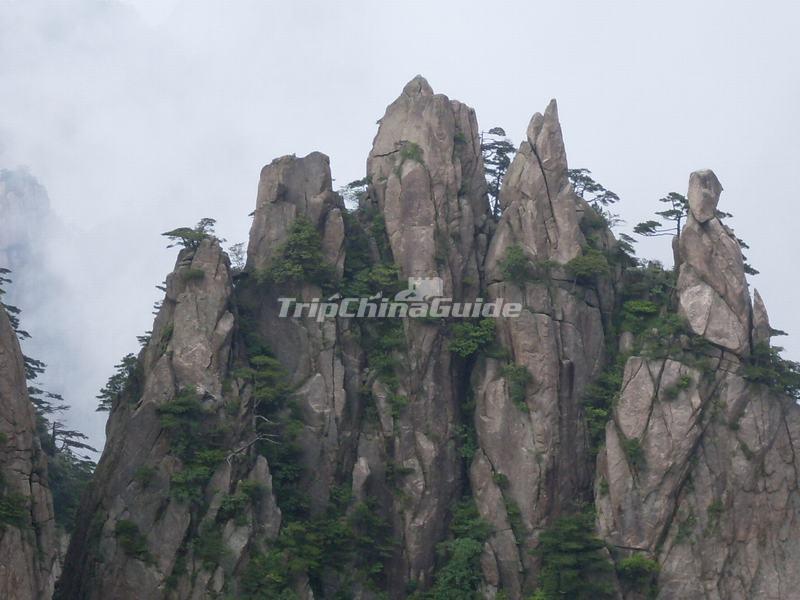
(715, 499)
(762, 331)
(703, 196)
(191, 346)
(712, 288)
(28, 552)
(559, 338)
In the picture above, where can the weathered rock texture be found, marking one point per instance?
(392, 425)
(559, 339)
(190, 348)
(699, 470)
(28, 540)
(427, 182)
(712, 288)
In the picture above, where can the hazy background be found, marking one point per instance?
(140, 116)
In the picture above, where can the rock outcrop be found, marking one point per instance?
(699, 469)
(28, 540)
(257, 455)
(537, 443)
(179, 442)
(426, 181)
(712, 289)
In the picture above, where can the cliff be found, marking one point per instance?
(28, 541)
(255, 455)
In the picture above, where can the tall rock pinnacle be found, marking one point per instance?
(426, 173)
(540, 210)
(537, 441)
(712, 289)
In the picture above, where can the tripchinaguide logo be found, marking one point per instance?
(423, 298)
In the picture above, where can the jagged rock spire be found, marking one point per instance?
(762, 330)
(290, 187)
(426, 173)
(712, 287)
(540, 209)
(536, 442)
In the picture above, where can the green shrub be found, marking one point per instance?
(13, 510)
(192, 274)
(234, 507)
(765, 366)
(383, 340)
(192, 439)
(131, 540)
(331, 542)
(300, 258)
(144, 475)
(209, 547)
(501, 480)
(469, 337)
(634, 451)
(638, 571)
(125, 382)
(673, 391)
(587, 267)
(573, 565)
(459, 576)
(411, 151)
(515, 520)
(519, 269)
(397, 404)
(190, 237)
(598, 400)
(518, 378)
(637, 314)
(466, 440)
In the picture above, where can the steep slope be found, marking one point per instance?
(28, 541)
(262, 447)
(180, 445)
(699, 471)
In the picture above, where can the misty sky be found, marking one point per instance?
(141, 116)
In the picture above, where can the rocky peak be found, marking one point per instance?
(713, 294)
(180, 441)
(290, 187)
(541, 213)
(762, 330)
(528, 414)
(404, 459)
(426, 175)
(703, 196)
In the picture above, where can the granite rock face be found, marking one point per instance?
(714, 497)
(712, 288)
(426, 181)
(28, 539)
(698, 469)
(134, 536)
(537, 443)
(290, 187)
